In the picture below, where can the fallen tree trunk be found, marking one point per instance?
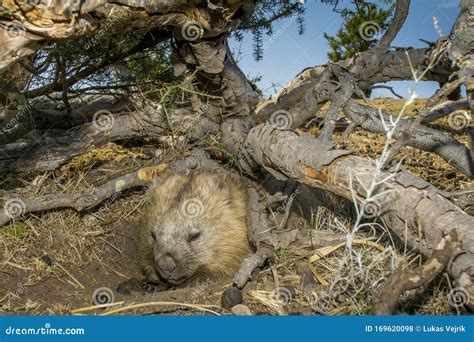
(15, 207)
(413, 206)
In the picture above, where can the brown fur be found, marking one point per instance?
(220, 227)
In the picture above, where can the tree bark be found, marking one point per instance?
(30, 26)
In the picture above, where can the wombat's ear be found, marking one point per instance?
(158, 179)
(221, 183)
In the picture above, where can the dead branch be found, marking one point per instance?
(388, 88)
(45, 114)
(423, 138)
(386, 301)
(258, 230)
(55, 148)
(52, 150)
(366, 69)
(411, 130)
(444, 109)
(78, 202)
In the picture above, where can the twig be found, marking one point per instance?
(81, 201)
(142, 305)
(70, 275)
(389, 88)
(386, 301)
(94, 307)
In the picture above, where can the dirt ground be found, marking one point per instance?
(53, 262)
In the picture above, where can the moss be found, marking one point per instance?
(17, 230)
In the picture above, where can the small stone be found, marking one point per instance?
(231, 297)
(241, 310)
(47, 260)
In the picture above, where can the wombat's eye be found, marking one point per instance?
(193, 236)
(153, 235)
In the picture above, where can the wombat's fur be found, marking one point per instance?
(194, 228)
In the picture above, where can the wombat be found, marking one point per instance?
(194, 229)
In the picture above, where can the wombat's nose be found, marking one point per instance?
(166, 264)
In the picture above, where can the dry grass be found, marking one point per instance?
(330, 286)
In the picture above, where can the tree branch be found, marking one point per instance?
(385, 303)
(401, 14)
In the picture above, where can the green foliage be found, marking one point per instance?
(285, 257)
(254, 82)
(261, 22)
(16, 230)
(219, 151)
(64, 59)
(361, 27)
(17, 98)
(148, 66)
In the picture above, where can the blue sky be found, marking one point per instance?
(287, 53)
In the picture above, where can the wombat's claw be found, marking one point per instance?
(150, 287)
(129, 286)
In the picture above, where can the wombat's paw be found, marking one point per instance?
(151, 286)
(135, 286)
(129, 286)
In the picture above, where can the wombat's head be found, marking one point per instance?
(197, 227)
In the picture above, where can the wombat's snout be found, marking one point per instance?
(166, 265)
